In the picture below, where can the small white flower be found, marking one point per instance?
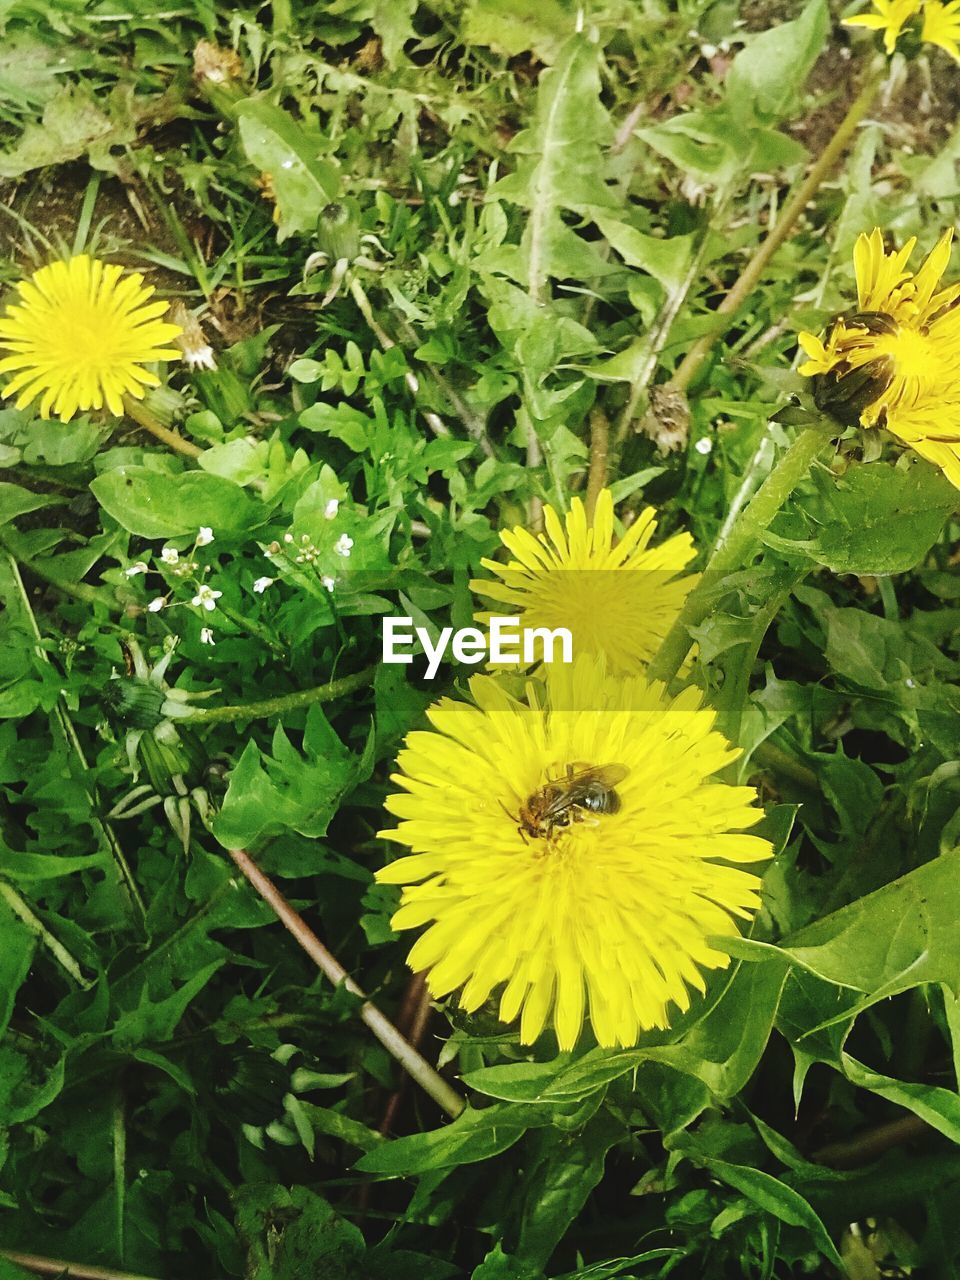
(704, 445)
(170, 555)
(344, 543)
(156, 605)
(328, 582)
(261, 585)
(207, 597)
(134, 569)
(288, 537)
(206, 636)
(331, 509)
(205, 536)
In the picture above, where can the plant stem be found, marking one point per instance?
(141, 415)
(745, 284)
(60, 1267)
(445, 1096)
(282, 702)
(22, 910)
(736, 551)
(599, 456)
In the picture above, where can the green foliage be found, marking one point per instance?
(426, 242)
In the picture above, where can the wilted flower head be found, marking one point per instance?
(197, 351)
(605, 907)
(79, 338)
(927, 21)
(895, 361)
(618, 598)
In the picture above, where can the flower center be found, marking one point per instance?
(913, 353)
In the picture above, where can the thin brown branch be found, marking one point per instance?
(871, 1143)
(68, 1270)
(409, 1058)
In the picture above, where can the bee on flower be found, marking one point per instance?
(894, 361)
(572, 851)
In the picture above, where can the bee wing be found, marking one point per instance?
(607, 775)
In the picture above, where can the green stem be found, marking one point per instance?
(283, 702)
(737, 551)
(141, 415)
(22, 910)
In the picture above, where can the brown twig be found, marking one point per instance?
(744, 285)
(67, 1270)
(869, 1144)
(413, 1017)
(599, 456)
(409, 1058)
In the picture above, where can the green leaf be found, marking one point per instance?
(765, 78)
(774, 1197)
(155, 1021)
(292, 1234)
(940, 1108)
(876, 519)
(289, 154)
(666, 259)
(891, 940)
(560, 163)
(17, 945)
(473, 1136)
(153, 504)
(17, 501)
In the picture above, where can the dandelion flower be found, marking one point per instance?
(608, 913)
(941, 26)
(616, 598)
(79, 337)
(932, 21)
(895, 362)
(891, 17)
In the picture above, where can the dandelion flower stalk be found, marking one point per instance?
(605, 912)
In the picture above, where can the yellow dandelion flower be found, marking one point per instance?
(79, 336)
(932, 21)
(891, 17)
(941, 26)
(601, 907)
(617, 598)
(895, 361)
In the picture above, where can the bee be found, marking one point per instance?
(845, 392)
(583, 790)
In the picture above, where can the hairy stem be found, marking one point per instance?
(24, 912)
(282, 702)
(142, 416)
(599, 459)
(413, 1062)
(792, 210)
(738, 549)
